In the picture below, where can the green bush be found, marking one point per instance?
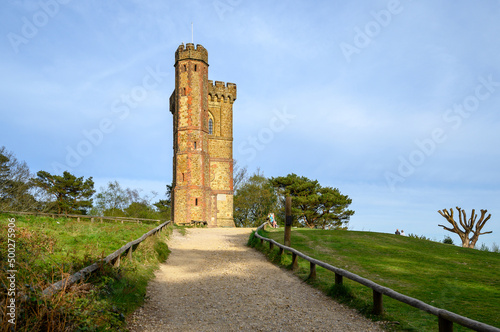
(448, 240)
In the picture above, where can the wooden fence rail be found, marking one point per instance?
(113, 258)
(445, 318)
(83, 216)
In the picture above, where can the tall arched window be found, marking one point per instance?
(210, 127)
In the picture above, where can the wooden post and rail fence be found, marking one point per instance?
(113, 258)
(445, 318)
(84, 216)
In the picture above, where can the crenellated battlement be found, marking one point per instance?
(221, 90)
(190, 52)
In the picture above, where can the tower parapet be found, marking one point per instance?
(225, 91)
(190, 52)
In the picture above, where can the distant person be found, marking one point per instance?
(397, 232)
(403, 233)
(272, 220)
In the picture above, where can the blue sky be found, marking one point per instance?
(396, 103)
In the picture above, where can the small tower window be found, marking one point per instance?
(185, 68)
(182, 177)
(210, 126)
(195, 144)
(183, 91)
(194, 67)
(196, 201)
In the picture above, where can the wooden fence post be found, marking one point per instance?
(378, 306)
(288, 221)
(295, 264)
(281, 251)
(445, 325)
(129, 254)
(117, 261)
(271, 245)
(338, 279)
(312, 271)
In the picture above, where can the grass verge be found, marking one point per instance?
(49, 249)
(461, 280)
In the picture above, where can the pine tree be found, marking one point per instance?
(72, 194)
(312, 204)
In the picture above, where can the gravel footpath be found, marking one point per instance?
(213, 282)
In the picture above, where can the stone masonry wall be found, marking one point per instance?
(203, 162)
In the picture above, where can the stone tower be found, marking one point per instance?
(202, 187)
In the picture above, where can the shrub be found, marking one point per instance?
(448, 240)
(421, 237)
(484, 247)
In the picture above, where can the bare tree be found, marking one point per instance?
(467, 225)
(240, 176)
(115, 200)
(16, 191)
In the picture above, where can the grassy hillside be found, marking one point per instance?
(48, 249)
(464, 281)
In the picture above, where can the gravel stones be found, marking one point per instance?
(213, 282)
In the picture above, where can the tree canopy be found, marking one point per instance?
(115, 201)
(111, 201)
(254, 200)
(164, 206)
(255, 197)
(312, 204)
(16, 191)
(240, 176)
(71, 194)
(20, 190)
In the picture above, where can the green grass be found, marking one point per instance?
(48, 249)
(461, 280)
(84, 236)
